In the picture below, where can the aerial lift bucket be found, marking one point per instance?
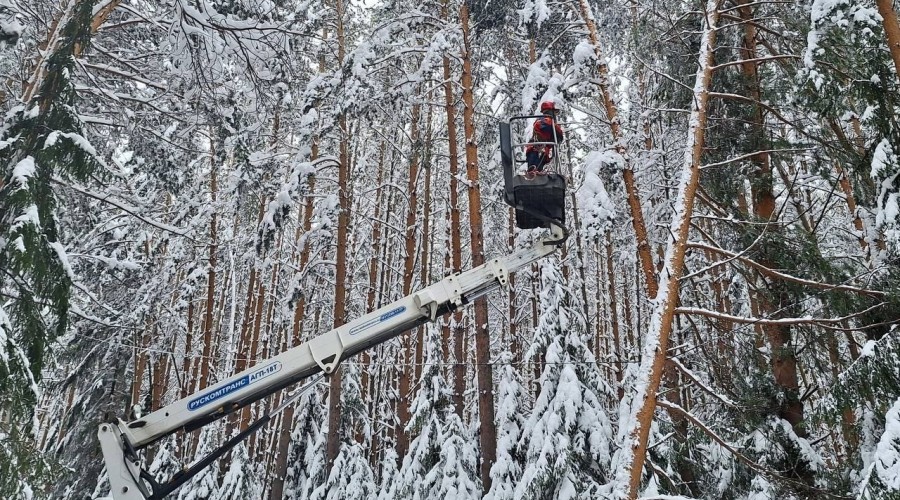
(540, 200)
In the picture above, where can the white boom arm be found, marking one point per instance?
(119, 440)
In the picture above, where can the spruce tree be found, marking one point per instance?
(306, 454)
(567, 438)
(205, 485)
(351, 476)
(882, 479)
(441, 462)
(510, 416)
(41, 144)
(241, 479)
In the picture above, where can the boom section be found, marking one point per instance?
(326, 351)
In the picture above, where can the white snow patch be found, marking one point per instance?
(881, 158)
(885, 464)
(23, 171)
(76, 138)
(597, 210)
(63, 258)
(29, 216)
(868, 349)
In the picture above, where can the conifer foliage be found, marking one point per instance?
(42, 147)
(441, 462)
(567, 442)
(190, 187)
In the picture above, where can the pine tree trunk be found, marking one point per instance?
(243, 352)
(482, 340)
(655, 347)
(140, 364)
(844, 182)
(161, 374)
(372, 293)
(425, 242)
(614, 315)
(459, 369)
(208, 340)
(187, 386)
(252, 354)
(264, 352)
(340, 287)
(409, 260)
(891, 29)
(631, 343)
(45, 49)
(332, 445)
(783, 359)
(287, 419)
(612, 114)
(513, 296)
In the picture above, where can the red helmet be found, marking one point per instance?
(548, 106)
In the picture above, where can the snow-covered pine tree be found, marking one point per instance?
(41, 144)
(441, 462)
(510, 417)
(351, 476)
(306, 455)
(242, 479)
(166, 462)
(205, 485)
(567, 439)
(882, 480)
(389, 473)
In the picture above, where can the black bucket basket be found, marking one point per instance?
(538, 200)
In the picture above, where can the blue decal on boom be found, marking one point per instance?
(390, 314)
(234, 386)
(372, 322)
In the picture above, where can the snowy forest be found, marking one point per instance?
(189, 187)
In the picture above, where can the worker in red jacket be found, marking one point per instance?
(546, 130)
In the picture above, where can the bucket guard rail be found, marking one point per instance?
(539, 200)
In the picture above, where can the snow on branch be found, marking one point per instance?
(744, 459)
(597, 210)
(279, 208)
(689, 374)
(134, 212)
(780, 275)
(774, 321)
(884, 472)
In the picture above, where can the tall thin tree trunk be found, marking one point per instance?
(187, 386)
(332, 445)
(372, 293)
(287, 419)
(891, 29)
(844, 182)
(783, 359)
(482, 340)
(210, 279)
(251, 352)
(409, 261)
(425, 242)
(612, 114)
(242, 354)
(513, 298)
(655, 346)
(140, 364)
(459, 369)
(614, 314)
